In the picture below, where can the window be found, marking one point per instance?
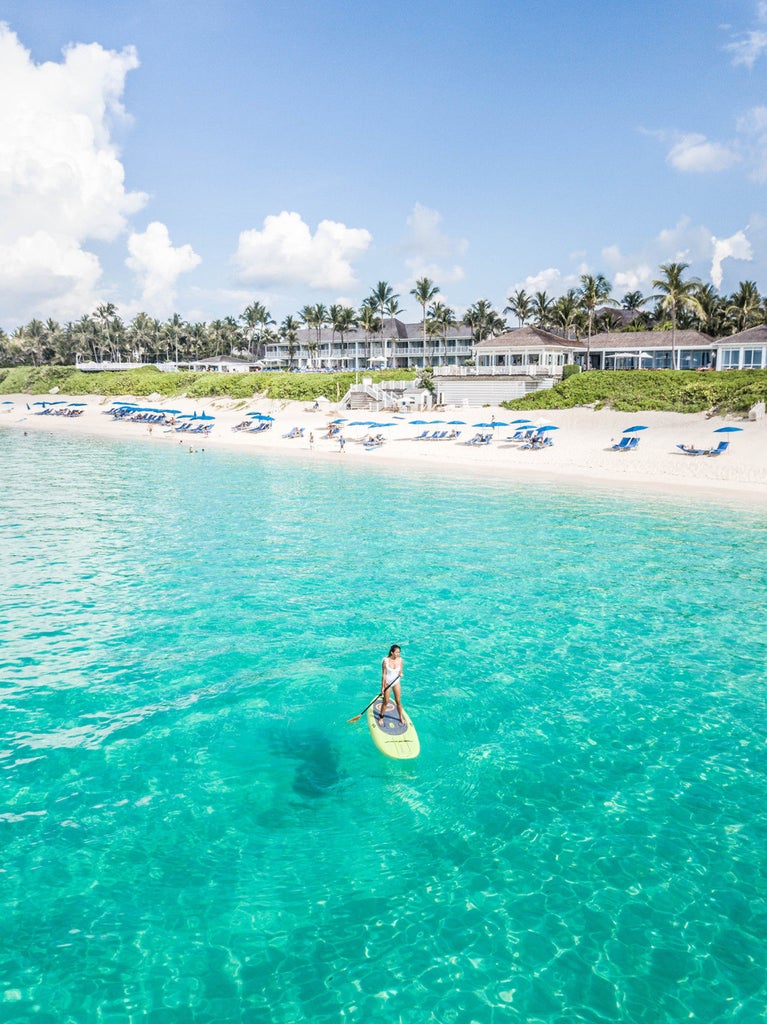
(730, 358)
(752, 357)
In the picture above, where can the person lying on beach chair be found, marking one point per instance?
(295, 432)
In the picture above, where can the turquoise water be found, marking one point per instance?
(191, 832)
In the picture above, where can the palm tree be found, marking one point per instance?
(713, 316)
(368, 321)
(439, 319)
(542, 305)
(445, 317)
(520, 304)
(676, 295)
(343, 321)
(107, 314)
(566, 311)
(483, 320)
(424, 292)
(140, 333)
(289, 334)
(393, 310)
(594, 291)
(173, 329)
(256, 318)
(745, 306)
(382, 294)
(633, 301)
(320, 320)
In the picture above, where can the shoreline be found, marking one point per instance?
(580, 455)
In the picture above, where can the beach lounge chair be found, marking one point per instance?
(422, 436)
(626, 444)
(721, 447)
(689, 450)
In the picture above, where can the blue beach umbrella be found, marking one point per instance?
(419, 423)
(456, 423)
(727, 430)
(342, 419)
(514, 422)
(549, 426)
(632, 430)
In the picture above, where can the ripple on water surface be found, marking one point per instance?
(193, 833)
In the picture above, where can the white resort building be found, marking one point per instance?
(744, 351)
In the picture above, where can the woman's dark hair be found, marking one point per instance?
(393, 648)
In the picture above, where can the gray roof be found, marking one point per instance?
(626, 341)
(751, 336)
(218, 360)
(531, 337)
(392, 329)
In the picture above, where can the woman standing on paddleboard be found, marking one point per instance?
(391, 677)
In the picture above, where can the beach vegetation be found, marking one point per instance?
(148, 380)
(720, 392)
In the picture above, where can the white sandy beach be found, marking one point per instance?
(580, 451)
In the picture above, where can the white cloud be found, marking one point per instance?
(753, 128)
(286, 252)
(61, 179)
(158, 265)
(695, 154)
(736, 247)
(750, 45)
(41, 275)
(549, 280)
(748, 48)
(429, 251)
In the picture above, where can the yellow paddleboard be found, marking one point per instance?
(391, 736)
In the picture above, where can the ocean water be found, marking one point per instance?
(192, 832)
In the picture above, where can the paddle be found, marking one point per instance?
(359, 716)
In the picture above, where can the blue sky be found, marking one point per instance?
(194, 157)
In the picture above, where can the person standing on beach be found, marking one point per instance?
(391, 678)
(342, 442)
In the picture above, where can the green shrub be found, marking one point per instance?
(148, 380)
(733, 391)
